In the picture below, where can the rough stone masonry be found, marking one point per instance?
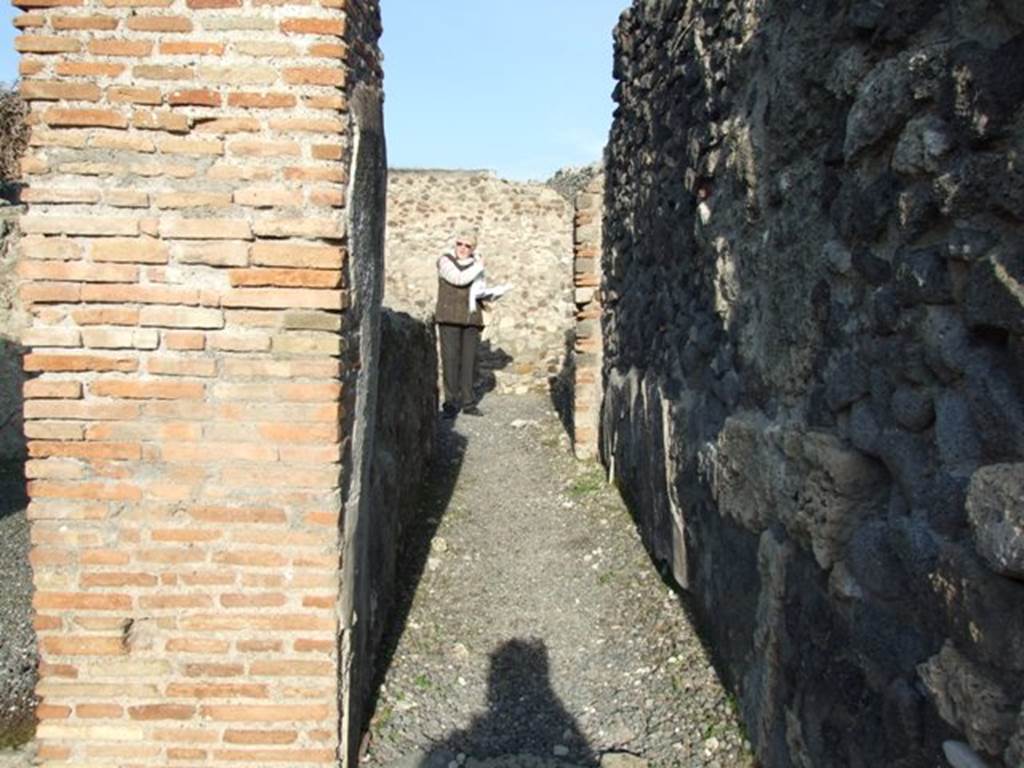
(525, 239)
(202, 265)
(814, 360)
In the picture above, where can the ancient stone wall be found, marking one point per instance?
(202, 261)
(814, 258)
(525, 239)
(12, 320)
(403, 447)
(587, 350)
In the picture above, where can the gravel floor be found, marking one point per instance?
(17, 640)
(539, 632)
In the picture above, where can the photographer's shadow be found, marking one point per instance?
(523, 717)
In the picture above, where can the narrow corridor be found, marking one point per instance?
(539, 632)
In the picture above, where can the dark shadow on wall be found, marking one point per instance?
(524, 715)
(414, 549)
(489, 359)
(562, 386)
(13, 496)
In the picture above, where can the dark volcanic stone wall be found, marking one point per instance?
(814, 352)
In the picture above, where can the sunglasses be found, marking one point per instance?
(460, 244)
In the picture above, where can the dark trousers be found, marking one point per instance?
(458, 361)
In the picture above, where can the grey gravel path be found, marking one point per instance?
(17, 639)
(540, 633)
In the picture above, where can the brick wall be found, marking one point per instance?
(184, 258)
(587, 351)
(525, 239)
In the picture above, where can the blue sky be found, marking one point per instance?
(522, 87)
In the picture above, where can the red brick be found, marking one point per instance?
(142, 250)
(191, 48)
(218, 690)
(253, 600)
(197, 645)
(185, 753)
(328, 50)
(176, 317)
(239, 75)
(229, 125)
(29, 21)
(92, 450)
(178, 200)
(55, 712)
(78, 271)
(97, 22)
(253, 756)
(77, 225)
(262, 100)
(294, 278)
(96, 491)
(88, 69)
(81, 601)
(233, 736)
(198, 98)
(139, 294)
(46, 44)
(315, 76)
(238, 515)
(85, 118)
(266, 713)
(117, 579)
(99, 711)
(268, 197)
(291, 668)
(106, 315)
(159, 24)
(162, 712)
(160, 121)
(37, 90)
(82, 645)
(163, 601)
(214, 670)
(286, 298)
(50, 293)
(184, 341)
(308, 26)
(327, 151)
(162, 72)
(40, 388)
(147, 390)
(259, 148)
(205, 229)
(136, 48)
(51, 248)
(40, 362)
(122, 94)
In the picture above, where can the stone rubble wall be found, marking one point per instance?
(407, 407)
(12, 321)
(587, 349)
(814, 354)
(525, 239)
(193, 363)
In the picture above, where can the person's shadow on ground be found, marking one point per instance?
(524, 716)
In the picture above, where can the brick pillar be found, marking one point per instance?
(184, 258)
(588, 343)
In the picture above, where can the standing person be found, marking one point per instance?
(459, 323)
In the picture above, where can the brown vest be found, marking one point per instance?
(453, 302)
